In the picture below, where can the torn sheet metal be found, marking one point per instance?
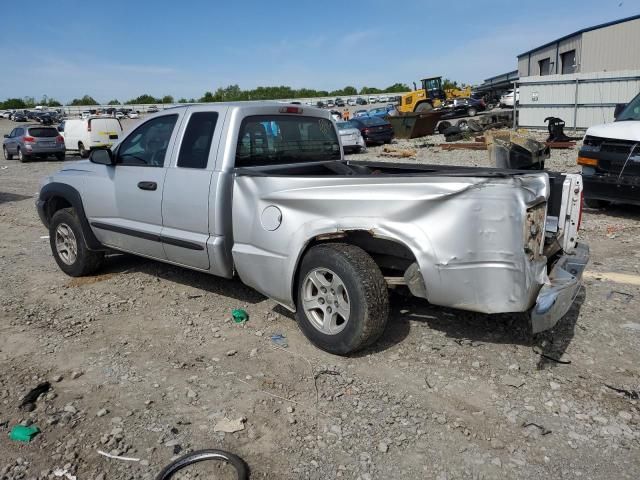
(467, 233)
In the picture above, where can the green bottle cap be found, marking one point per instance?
(239, 315)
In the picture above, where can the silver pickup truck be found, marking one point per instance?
(262, 191)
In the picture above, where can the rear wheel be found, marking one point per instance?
(342, 298)
(424, 107)
(69, 247)
(7, 155)
(472, 112)
(21, 156)
(60, 157)
(84, 153)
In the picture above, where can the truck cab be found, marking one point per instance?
(610, 159)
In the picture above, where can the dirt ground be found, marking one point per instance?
(144, 361)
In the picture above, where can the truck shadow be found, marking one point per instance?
(628, 212)
(118, 263)
(6, 197)
(472, 329)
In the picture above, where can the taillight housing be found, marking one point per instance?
(28, 139)
(59, 139)
(291, 110)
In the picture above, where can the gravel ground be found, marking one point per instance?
(144, 361)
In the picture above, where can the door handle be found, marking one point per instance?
(147, 185)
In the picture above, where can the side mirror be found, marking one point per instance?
(102, 156)
(6, 135)
(60, 129)
(619, 108)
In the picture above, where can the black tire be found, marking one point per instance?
(86, 261)
(475, 126)
(423, 107)
(472, 111)
(595, 203)
(462, 125)
(21, 156)
(366, 290)
(387, 141)
(60, 157)
(7, 155)
(84, 153)
(443, 126)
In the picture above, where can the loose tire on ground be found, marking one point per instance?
(443, 126)
(475, 126)
(360, 287)
(65, 234)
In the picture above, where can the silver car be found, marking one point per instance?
(30, 141)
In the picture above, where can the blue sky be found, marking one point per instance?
(120, 49)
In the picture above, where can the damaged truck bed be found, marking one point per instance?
(262, 191)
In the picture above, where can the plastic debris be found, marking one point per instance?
(118, 457)
(230, 426)
(279, 339)
(239, 315)
(23, 434)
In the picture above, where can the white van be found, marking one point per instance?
(85, 134)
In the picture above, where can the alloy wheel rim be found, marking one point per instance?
(66, 244)
(325, 301)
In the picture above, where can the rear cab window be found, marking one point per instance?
(280, 139)
(196, 143)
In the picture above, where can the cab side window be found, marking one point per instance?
(194, 151)
(147, 145)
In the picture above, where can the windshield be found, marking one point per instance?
(277, 139)
(345, 125)
(631, 111)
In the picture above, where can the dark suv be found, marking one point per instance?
(465, 106)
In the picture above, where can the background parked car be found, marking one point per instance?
(361, 101)
(339, 102)
(373, 99)
(350, 137)
(373, 129)
(351, 102)
(31, 141)
(506, 100)
(133, 114)
(152, 109)
(360, 113)
(19, 117)
(465, 106)
(84, 135)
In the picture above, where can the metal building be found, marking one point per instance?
(580, 77)
(607, 47)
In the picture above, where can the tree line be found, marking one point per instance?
(230, 93)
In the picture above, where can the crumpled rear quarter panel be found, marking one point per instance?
(465, 232)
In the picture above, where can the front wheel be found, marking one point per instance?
(69, 247)
(424, 107)
(342, 298)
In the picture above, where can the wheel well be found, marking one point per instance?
(392, 257)
(54, 204)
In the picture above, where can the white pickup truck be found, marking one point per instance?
(262, 191)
